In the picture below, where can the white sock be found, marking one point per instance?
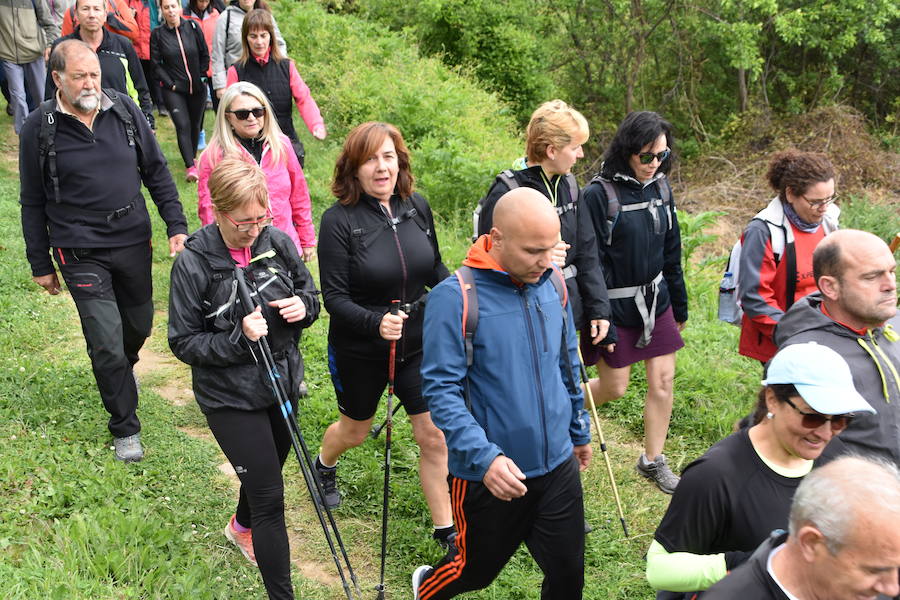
(322, 462)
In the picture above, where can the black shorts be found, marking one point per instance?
(359, 384)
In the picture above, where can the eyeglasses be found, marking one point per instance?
(815, 420)
(242, 114)
(245, 226)
(820, 203)
(647, 157)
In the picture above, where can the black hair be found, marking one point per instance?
(827, 261)
(637, 130)
(782, 392)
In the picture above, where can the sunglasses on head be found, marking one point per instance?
(242, 114)
(647, 157)
(816, 420)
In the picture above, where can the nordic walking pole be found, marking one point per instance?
(389, 428)
(376, 431)
(612, 479)
(301, 451)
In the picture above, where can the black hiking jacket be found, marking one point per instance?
(205, 322)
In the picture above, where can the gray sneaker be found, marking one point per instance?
(129, 449)
(418, 577)
(658, 472)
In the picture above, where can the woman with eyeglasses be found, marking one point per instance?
(378, 245)
(180, 59)
(639, 243)
(777, 246)
(263, 63)
(731, 498)
(208, 331)
(245, 128)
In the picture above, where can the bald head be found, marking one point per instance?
(68, 50)
(827, 258)
(525, 231)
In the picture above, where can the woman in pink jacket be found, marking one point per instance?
(262, 63)
(245, 127)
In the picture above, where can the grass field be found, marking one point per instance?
(76, 524)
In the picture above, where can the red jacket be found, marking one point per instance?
(119, 19)
(142, 17)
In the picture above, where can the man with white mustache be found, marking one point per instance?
(82, 159)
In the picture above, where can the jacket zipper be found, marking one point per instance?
(537, 305)
(523, 294)
(403, 272)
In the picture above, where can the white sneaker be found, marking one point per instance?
(417, 577)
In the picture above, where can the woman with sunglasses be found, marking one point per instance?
(245, 128)
(777, 246)
(208, 331)
(180, 59)
(378, 245)
(263, 63)
(731, 498)
(639, 243)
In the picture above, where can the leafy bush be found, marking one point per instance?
(459, 136)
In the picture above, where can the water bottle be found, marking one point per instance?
(729, 310)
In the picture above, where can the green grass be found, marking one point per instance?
(75, 524)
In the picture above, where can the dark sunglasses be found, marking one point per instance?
(816, 420)
(647, 157)
(243, 114)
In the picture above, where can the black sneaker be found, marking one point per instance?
(328, 480)
(658, 472)
(446, 539)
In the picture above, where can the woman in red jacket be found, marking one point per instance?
(206, 15)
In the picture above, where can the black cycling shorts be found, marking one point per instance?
(359, 384)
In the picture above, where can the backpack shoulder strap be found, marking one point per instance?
(559, 282)
(47, 144)
(573, 190)
(122, 113)
(470, 309)
(508, 178)
(612, 203)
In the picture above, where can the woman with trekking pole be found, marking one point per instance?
(731, 498)
(180, 61)
(639, 245)
(377, 244)
(208, 330)
(263, 63)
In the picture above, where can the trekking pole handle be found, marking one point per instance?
(242, 290)
(395, 307)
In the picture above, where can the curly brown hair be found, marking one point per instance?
(361, 143)
(798, 171)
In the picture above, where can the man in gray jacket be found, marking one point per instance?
(26, 32)
(855, 313)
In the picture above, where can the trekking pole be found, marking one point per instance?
(301, 450)
(389, 427)
(376, 431)
(612, 479)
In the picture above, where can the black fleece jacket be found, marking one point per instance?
(98, 174)
(169, 63)
(205, 323)
(364, 263)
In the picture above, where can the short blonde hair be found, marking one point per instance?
(235, 183)
(223, 141)
(556, 124)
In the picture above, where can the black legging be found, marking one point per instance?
(186, 112)
(152, 83)
(257, 443)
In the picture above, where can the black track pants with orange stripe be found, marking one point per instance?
(549, 518)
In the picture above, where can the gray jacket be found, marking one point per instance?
(226, 43)
(26, 29)
(874, 360)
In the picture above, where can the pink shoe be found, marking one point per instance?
(191, 175)
(244, 541)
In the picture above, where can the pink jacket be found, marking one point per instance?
(288, 194)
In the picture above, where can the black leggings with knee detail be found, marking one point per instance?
(186, 112)
(257, 443)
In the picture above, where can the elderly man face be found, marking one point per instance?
(79, 83)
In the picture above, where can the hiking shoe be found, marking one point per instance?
(587, 527)
(129, 449)
(418, 577)
(658, 472)
(242, 539)
(191, 175)
(303, 389)
(446, 539)
(328, 480)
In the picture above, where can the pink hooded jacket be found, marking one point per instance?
(288, 193)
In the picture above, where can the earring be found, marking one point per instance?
(770, 416)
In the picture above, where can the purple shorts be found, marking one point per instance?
(665, 339)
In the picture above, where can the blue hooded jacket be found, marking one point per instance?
(525, 401)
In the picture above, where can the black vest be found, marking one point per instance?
(273, 78)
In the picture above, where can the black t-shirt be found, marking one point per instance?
(728, 500)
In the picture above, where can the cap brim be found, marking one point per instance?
(833, 401)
